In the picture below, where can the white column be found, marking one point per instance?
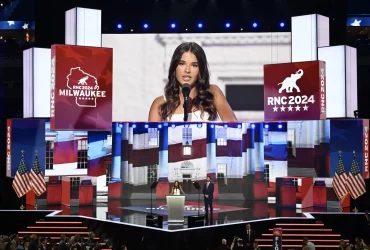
(83, 27)
(309, 32)
(36, 83)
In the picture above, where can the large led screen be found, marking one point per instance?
(141, 65)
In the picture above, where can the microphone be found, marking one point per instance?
(185, 93)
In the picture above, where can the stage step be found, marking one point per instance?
(59, 232)
(300, 246)
(58, 222)
(306, 229)
(293, 234)
(54, 227)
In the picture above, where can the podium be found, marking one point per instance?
(175, 208)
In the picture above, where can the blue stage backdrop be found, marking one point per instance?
(27, 135)
(346, 136)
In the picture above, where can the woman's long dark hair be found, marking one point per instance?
(204, 99)
(178, 185)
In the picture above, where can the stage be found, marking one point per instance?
(125, 221)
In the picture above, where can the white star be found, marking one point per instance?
(282, 108)
(275, 109)
(356, 22)
(290, 108)
(11, 23)
(305, 108)
(297, 108)
(25, 26)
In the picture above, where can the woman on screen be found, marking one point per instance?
(206, 102)
(177, 189)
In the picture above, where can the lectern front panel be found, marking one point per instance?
(175, 208)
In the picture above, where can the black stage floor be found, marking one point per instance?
(134, 212)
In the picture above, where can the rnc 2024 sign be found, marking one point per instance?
(295, 91)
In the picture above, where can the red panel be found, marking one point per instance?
(198, 150)
(81, 88)
(115, 190)
(292, 84)
(304, 158)
(98, 167)
(8, 147)
(288, 196)
(65, 152)
(86, 195)
(366, 148)
(258, 175)
(114, 208)
(66, 191)
(260, 209)
(215, 191)
(272, 189)
(233, 148)
(260, 190)
(30, 198)
(54, 194)
(145, 157)
(163, 189)
(86, 211)
(66, 210)
(319, 196)
(307, 192)
(345, 201)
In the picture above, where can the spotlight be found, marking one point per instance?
(253, 126)
(146, 126)
(212, 125)
(120, 125)
(227, 25)
(254, 25)
(226, 126)
(119, 26)
(145, 26)
(199, 125)
(173, 126)
(266, 126)
(280, 126)
(186, 125)
(133, 125)
(159, 125)
(173, 25)
(200, 25)
(282, 24)
(239, 126)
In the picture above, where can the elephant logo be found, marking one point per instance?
(290, 82)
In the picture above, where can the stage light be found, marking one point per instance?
(173, 126)
(119, 26)
(120, 125)
(280, 126)
(282, 24)
(239, 126)
(253, 126)
(133, 125)
(145, 26)
(186, 125)
(254, 25)
(200, 25)
(266, 126)
(173, 25)
(159, 125)
(227, 25)
(199, 125)
(212, 126)
(146, 126)
(226, 126)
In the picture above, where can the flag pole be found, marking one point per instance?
(36, 206)
(22, 199)
(339, 204)
(355, 210)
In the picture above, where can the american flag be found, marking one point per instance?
(21, 182)
(37, 178)
(340, 179)
(355, 183)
